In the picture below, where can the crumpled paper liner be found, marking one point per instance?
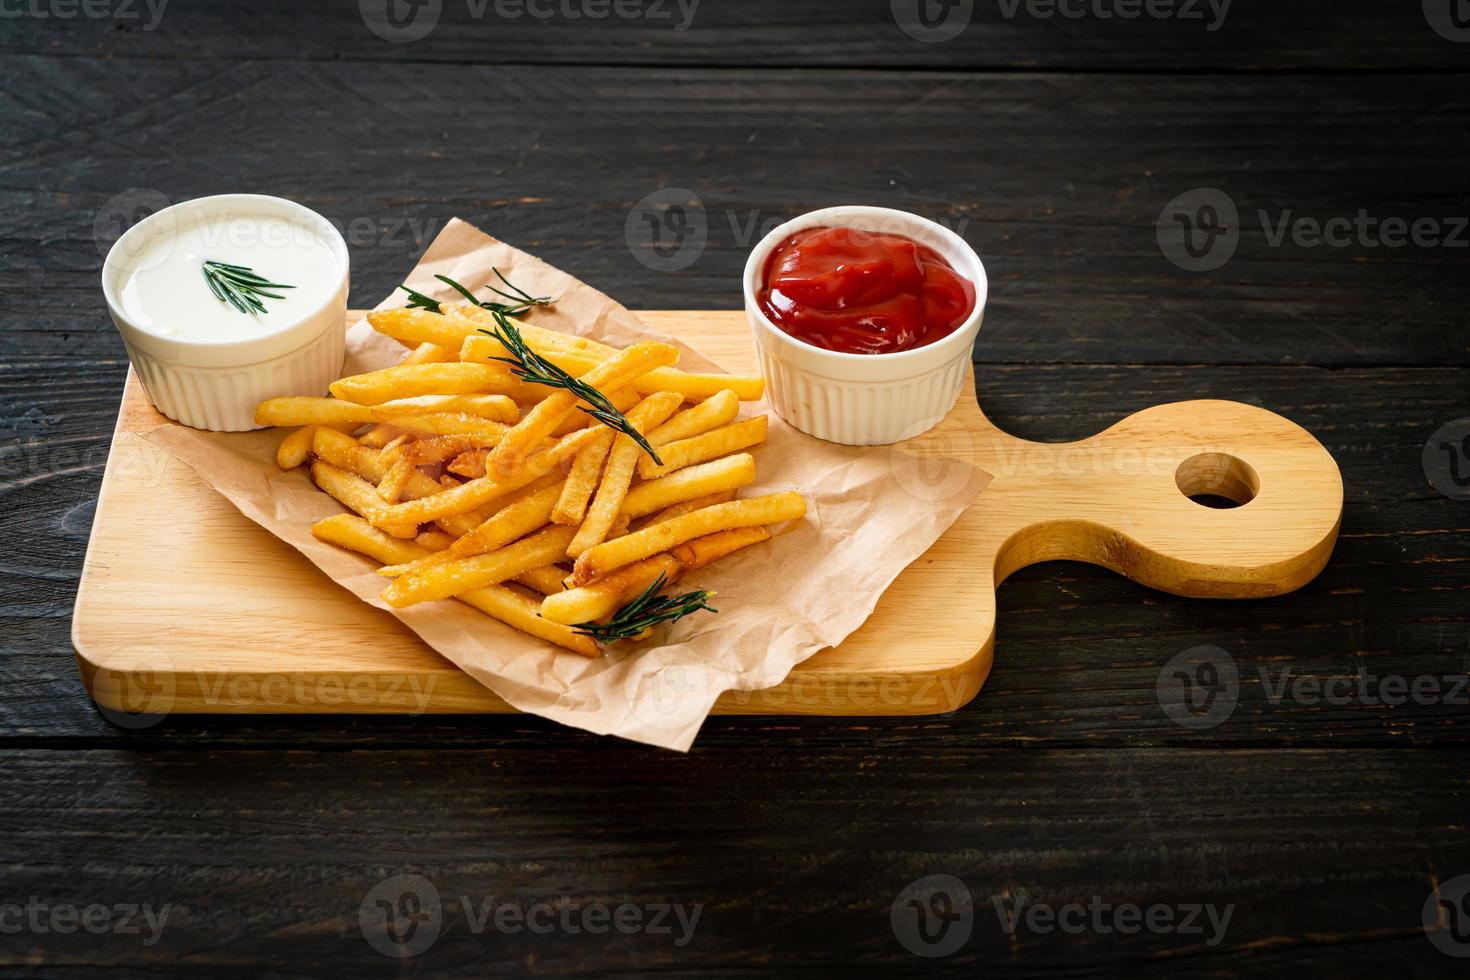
(779, 602)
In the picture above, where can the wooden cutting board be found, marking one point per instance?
(186, 606)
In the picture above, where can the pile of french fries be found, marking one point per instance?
(467, 481)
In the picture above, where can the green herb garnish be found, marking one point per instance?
(530, 366)
(520, 300)
(648, 610)
(239, 286)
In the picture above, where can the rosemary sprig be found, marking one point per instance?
(530, 366)
(646, 611)
(520, 300)
(239, 286)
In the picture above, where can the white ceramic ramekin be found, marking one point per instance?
(216, 384)
(864, 399)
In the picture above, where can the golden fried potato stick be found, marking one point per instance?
(452, 425)
(773, 508)
(687, 507)
(379, 436)
(356, 494)
(474, 319)
(693, 387)
(415, 380)
(582, 480)
(496, 407)
(604, 597)
(602, 513)
(427, 354)
(462, 575)
(715, 411)
(539, 422)
(710, 445)
(391, 486)
(294, 449)
(546, 581)
(306, 410)
(481, 491)
(510, 607)
(470, 463)
(690, 483)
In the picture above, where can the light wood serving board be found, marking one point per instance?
(185, 605)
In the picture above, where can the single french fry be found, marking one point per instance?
(447, 424)
(582, 480)
(510, 607)
(390, 487)
(523, 612)
(346, 453)
(496, 407)
(715, 411)
(433, 540)
(465, 574)
(687, 507)
(414, 380)
(426, 354)
(438, 449)
(710, 445)
(618, 474)
(481, 491)
(294, 449)
(539, 422)
(598, 561)
(304, 410)
(700, 552)
(358, 495)
(547, 580)
(690, 483)
(589, 603)
(418, 326)
(379, 436)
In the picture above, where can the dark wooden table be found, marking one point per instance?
(1321, 824)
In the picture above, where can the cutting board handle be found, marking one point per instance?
(1122, 499)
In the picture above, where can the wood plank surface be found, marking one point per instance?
(1326, 822)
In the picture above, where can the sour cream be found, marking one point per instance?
(202, 361)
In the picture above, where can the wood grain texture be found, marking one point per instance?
(224, 619)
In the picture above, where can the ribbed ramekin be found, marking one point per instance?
(216, 384)
(864, 399)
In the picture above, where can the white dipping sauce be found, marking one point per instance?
(164, 290)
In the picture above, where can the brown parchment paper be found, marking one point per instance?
(779, 602)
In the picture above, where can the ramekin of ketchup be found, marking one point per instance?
(864, 319)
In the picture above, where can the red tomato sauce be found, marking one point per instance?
(863, 292)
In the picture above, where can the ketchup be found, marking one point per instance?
(861, 292)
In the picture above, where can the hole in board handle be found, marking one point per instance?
(1217, 480)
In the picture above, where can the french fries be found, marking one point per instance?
(487, 467)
